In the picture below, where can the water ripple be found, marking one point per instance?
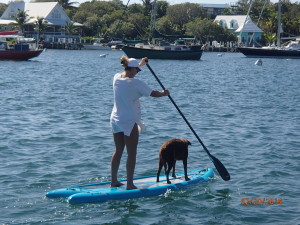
(55, 133)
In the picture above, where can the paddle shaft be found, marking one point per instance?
(219, 166)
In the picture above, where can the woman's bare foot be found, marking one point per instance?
(117, 184)
(131, 187)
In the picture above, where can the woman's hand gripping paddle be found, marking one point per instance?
(219, 166)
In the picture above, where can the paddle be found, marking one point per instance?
(219, 166)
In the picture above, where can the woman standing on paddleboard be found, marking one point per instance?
(126, 116)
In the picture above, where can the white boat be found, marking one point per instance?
(96, 45)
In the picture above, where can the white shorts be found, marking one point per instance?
(115, 128)
(126, 128)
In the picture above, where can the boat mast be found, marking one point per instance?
(153, 22)
(154, 16)
(279, 24)
(248, 15)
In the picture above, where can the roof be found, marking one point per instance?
(52, 12)
(222, 6)
(41, 9)
(238, 23)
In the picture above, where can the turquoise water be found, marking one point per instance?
(54, 133)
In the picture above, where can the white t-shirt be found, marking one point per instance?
(127, 109)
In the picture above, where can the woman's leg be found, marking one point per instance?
(131, 143)
(116, 158)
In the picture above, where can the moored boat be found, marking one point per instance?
(96, 45)
(164, 52)
(292, 50)
(160, 48)
(12, 54)
(14, 47)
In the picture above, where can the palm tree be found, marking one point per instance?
(21, 19)
(270, 38)
(70, 28)
(40, 26)
(66, 4)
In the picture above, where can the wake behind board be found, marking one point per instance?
(147, 186)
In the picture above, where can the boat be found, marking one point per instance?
(162, 49)
(15, 47)
(147, 186)
(96, 45)
(289, 50)
(115, 44)
(166, 51)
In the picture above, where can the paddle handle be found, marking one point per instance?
(184, 118)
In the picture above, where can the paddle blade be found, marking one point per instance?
(220, 168)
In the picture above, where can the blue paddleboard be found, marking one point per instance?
(147, 186)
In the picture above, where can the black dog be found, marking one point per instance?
(171, 151)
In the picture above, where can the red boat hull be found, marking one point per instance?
(19, 55)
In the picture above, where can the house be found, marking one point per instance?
(242, 26)
(215, 9)
(53, 14)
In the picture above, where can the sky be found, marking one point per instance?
(172, 2)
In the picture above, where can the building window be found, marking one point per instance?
(233, 24)
(223, 23)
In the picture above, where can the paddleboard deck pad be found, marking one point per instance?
(147, 186)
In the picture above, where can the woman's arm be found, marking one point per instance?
(157, 94)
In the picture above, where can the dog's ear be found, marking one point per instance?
(186, 141)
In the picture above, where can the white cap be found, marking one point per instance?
(133, 63)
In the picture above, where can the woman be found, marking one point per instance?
(126, 116)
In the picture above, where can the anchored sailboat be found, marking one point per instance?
(291, 50)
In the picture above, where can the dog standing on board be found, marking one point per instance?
(171, 151)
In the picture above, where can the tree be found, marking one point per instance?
(161, 8)
(208, 30)
(40, 26)
(21, 19)
(165, 26)
(147, 7)
(181, 14)
(291, 18)
(97, 15)
(121, 31)
(2, 8)
(66, 4)
(270, 38)
(70, 28)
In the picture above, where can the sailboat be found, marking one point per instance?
(291, 50)
(20, 49)
(161, 49)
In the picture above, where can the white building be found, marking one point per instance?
(215, 9)
(242, 26)
(53, 14)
